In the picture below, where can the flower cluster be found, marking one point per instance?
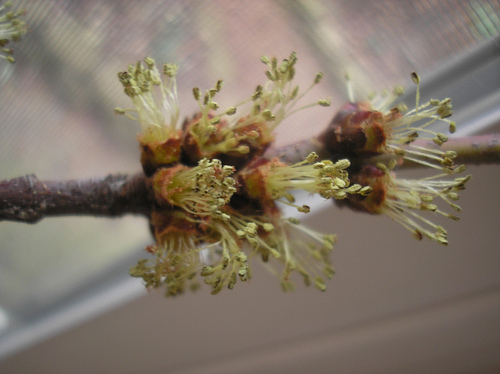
(202, 190)
(269, 180)
(11, 29)
(156, 105)
(216, 195)
(378, 137)
(366, 129)
(405, 200)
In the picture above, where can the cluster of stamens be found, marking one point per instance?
(216, 195)
(379, 137)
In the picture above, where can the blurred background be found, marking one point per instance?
(395, 305)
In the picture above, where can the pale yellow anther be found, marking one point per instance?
(230, 111)
(150, 63)
(415, 78)
(339, 195)
(258, 93)
(431, 207)
(170, 69)
(207, 270)
(304, 209)
(196, 93)
(328, 272)
(450, 154)
(324, 102)
(342, 164)
(340, 182)
(268, 115)
(270, 76)
(426, 198)
(311, 157)
(392, 164)
(243, 149)
(442, 137)
(320, 284)
(353, 189)
(365, 191)
(460, 169)
(251, 228)
(268, 227)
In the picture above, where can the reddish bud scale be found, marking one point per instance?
(357, 130)
(256, 137)
(374, 130)
(372, 203)
(257, 146)
(252, 180)
(162, 182)
(159, 154)
(168, 224)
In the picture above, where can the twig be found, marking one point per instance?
(471, 150)
(481, 149)
(27, 199)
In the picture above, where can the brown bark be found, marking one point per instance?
(27, 199)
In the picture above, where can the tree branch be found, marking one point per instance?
(27, 199)
(471, 150)
(481, 149)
